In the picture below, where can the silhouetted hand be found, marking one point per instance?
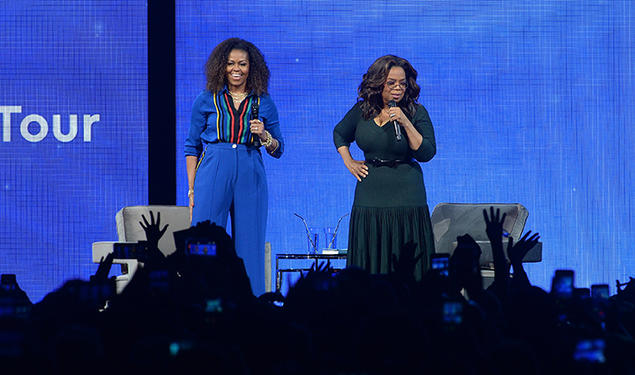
(516, 252)
(322, 267)
(494, 224)
(494, 228)
(152, 229)
(404, 266)
(104, 268)
(625, 286)
(465, 265)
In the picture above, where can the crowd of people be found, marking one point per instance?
(194, 312)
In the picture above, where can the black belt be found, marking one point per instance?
(386, 163)
(251, 144)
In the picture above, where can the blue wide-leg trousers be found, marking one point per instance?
(230, 181)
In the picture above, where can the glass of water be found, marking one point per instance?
(313, 240)
(331, 239)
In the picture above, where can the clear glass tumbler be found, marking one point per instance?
(313, 241)
(331, 239)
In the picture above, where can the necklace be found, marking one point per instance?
(238, 97)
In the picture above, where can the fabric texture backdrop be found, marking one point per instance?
(531, 103)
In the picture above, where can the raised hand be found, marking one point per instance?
(494, 223)
(494, 228)
(396, 114)
(153, 229)
(465, 265)
(322, 267)
(516, 252)
(257, 127)
(104, 268)
(404, 265)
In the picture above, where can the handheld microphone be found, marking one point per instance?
(392, 103)
(254, 116)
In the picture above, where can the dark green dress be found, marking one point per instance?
(390, 207)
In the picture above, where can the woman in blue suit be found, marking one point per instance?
(231, 119)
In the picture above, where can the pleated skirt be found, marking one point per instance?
(378, 235)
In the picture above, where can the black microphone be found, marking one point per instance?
(392, 103)
(254, 116)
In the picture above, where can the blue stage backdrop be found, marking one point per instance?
(73, 117)
(532, 102)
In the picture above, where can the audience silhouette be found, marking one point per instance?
(194, 312)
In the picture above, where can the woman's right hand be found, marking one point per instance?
(191, 205)
(357, 169)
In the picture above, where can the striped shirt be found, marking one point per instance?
(232, 124)
(215, 119)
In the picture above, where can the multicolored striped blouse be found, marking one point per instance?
(214, 119)
(232, 124)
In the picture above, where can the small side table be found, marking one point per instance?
(315, 257)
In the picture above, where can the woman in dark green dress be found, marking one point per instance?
(390, 207)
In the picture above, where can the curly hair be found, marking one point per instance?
(370, 90)
(216, 66)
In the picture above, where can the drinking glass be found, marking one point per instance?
(313, 240)
(331, 239)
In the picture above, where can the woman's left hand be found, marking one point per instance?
(257, 127)
(396, 114)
